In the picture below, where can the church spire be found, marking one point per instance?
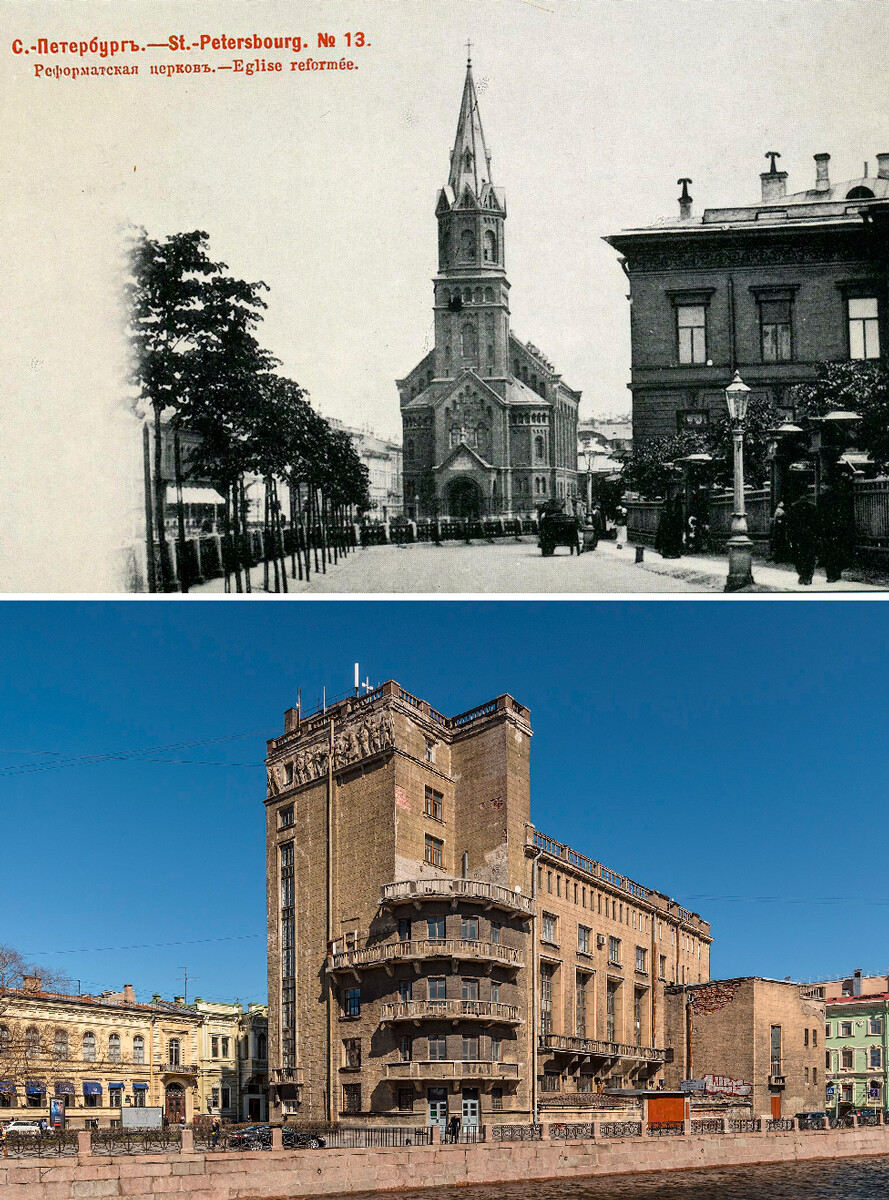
(470, 163)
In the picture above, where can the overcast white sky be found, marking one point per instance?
(324, 184)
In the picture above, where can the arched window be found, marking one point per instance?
(490, 245)
(539, 448)
(468, 342)
(32, 1042)
(467, 245)
(60, 1045)
(89, 1047)
(138, 1049)
(261, 1044)
(860, 193)
(477, 295)
(173, 1052)
(467, 295)
(489, 295)
(114, 1047)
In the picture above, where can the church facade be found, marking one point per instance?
(489, 426)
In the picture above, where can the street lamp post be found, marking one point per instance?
(589, 480)
(740, 547)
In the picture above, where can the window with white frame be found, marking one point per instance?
(864, 327)
(548, 927)
(583, 939)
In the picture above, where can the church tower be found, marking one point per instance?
(471, 289)
(490, 428)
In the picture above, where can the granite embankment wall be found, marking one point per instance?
(285, 1174)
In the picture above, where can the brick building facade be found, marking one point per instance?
(489, 425)
(767, 1033)
(770, 288)
(430, 952)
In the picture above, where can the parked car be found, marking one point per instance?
(24, 1127)
(259, 1137)
(813, 1120)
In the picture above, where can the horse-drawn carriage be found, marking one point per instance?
(556, 528)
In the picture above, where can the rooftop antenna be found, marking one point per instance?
(185, 986)
(324, 700)
(357, 684)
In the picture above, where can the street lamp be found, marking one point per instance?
(740, 547)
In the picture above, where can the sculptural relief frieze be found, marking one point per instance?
(359, 739)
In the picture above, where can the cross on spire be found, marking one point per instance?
(468, 53)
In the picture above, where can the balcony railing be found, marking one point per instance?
(178, 1068)
(460, 948)
(577, 1045)
(286, 1075)
(449, 1069)
(491, 895)
(451, 1010)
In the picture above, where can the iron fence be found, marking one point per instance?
(745, 1125)
(41, 1145)
(668, 1128)
(869, 1118)
(779, 1124)
(616, 1129)
(136, 1141)
(708, 1125)
(516, 1133)
(813, 1123)
(574, 1130)
(392, 1135)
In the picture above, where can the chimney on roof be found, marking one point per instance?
(856, 983)
(31, 983)
(883, 166)
(822, 179)
(129, 994)
(156, 998)
(774, 182)
(684, 201)
(180, 1000)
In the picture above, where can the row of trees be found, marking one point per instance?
(196, 360)
(860, 387)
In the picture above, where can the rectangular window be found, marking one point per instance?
(430, 751)
(876, 1057)
(546, 998)
(549, 881)
(495, 993)
(286, 817)
(435, 928)
(288, 958)
(115, 1097)
(405, 990)
(405, 1048)
(404, 929)
(438, 1047)
(580, 1004)
(875, 1025)
(775, 329)
(691, 325)
(497, 1099)
(662, 967)
(776, 1050)
(437, 987)
(814, 1037)
(496, 928)
(805, 1075)
(814, 1075)
(548, 928)
(352, 1002)
(352, 1097)
(638, 1001)
(225, 1046)
(614, 951)
(641, 960)
(214, 1047)
(612, 987)
(405, 1099)
(805, 1037)
(469, 989)
(139, 1098)
(846, 1060)
(226, 1097)
(434, 847)
(352, 1053)
(288, 780)
(496, 1046)
(827, 1029)
(845, 1028)
(214, 1097)
(433, 804)
(469, 929)
(583, 939)
(864, 330)
(470, 1048)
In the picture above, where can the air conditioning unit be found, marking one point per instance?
(600, 940)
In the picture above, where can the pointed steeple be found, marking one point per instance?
(470, 163)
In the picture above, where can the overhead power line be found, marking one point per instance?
(242, 937)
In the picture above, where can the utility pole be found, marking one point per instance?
(185, 984)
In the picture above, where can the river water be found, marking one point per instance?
(839, 1179)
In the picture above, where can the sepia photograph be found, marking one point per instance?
(498, 296)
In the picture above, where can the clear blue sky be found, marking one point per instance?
(723, 753)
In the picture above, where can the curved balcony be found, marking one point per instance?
(474, 1069)
(287, 1075)
(488, 1012)
(596, 1049)
(424, 949)
(473, 891)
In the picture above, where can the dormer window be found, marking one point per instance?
(860, 193)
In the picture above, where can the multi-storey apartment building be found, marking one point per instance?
(857, 1045)
(431, 952)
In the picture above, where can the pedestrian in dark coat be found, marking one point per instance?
(670, 531)
(454, 1127)
(802, 535)
(836, 530)
(778, 545)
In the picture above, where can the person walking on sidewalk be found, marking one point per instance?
(620, 527)
(837, 530)
(802, 536)
(453, 1128)
(217, 1129)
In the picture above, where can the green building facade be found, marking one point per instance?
(856, 1052)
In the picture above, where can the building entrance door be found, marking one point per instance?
(464, 499)
(438, 1109)
(470, 1108)
(254, 1108)
(776, 1106)
(175, 1104)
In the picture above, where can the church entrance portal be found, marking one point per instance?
(464, 499)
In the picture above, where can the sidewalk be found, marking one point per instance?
(710, 572)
